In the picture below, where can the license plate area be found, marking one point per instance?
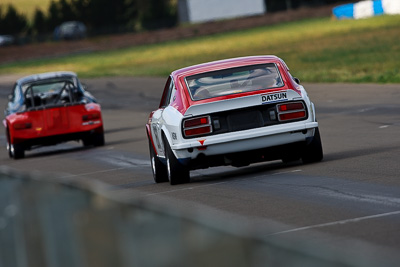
(245, 120)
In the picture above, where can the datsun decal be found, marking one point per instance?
(274, 97)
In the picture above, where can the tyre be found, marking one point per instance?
(98, 139)
(94, 139)
(177, 173)
(159, 169)
(10, 154)
(17, 151)
(313, 151)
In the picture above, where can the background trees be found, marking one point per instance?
(105, 16)
(11, 21)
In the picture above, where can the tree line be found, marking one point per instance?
(99, 16)
(105, 16)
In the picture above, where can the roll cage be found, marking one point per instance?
(51, 93)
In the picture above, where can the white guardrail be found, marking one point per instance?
(365, 9)
(56, 223)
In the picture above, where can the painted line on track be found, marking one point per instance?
(341, 222)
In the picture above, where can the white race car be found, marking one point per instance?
(231, 112)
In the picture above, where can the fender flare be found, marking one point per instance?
(150, 138)
(165, 134)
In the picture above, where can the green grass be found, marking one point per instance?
(317, 50)
(26, 7)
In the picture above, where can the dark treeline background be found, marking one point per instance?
(105, 16)
(100, 16)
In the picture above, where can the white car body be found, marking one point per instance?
(243, 115)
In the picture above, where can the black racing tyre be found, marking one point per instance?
(10, 154)
(177, 173)
(159, 169)
(18, 151)
(86, 141)
(313, 151)
(98, 139)
(94, 139)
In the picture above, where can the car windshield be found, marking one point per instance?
(233, 81)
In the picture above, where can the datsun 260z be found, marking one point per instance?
(231, 112)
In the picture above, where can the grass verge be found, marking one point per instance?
(316, 50)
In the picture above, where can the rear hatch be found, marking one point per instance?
(244, 113)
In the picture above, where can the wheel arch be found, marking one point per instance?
(150, 138)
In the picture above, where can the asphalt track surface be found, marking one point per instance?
(353, 195)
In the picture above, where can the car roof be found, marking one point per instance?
(227, 63)
(46, 75)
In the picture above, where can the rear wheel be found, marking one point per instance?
(177, 173)
(313, 151)
(94, 139)
(9, 150)
(98, 139)
(17, 151)
(159, 170)
(10, 154)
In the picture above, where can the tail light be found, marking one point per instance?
(90, 117)
(22, 125)
(197, 126)
(291, 111)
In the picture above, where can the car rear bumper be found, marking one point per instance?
(253, 139)
(56, 139)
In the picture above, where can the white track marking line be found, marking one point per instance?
(211, 184)
(354, 220)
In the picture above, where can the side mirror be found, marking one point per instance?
(297, 80)
(10, 97)
(84, 86)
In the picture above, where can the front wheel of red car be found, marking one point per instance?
(159, 170)
(177, 173)
(313, 151)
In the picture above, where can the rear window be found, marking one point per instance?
(52, 91)
(233, 81)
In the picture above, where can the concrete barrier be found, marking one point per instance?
(366, 9)
(48, 222)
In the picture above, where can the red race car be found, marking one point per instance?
(51, 108)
